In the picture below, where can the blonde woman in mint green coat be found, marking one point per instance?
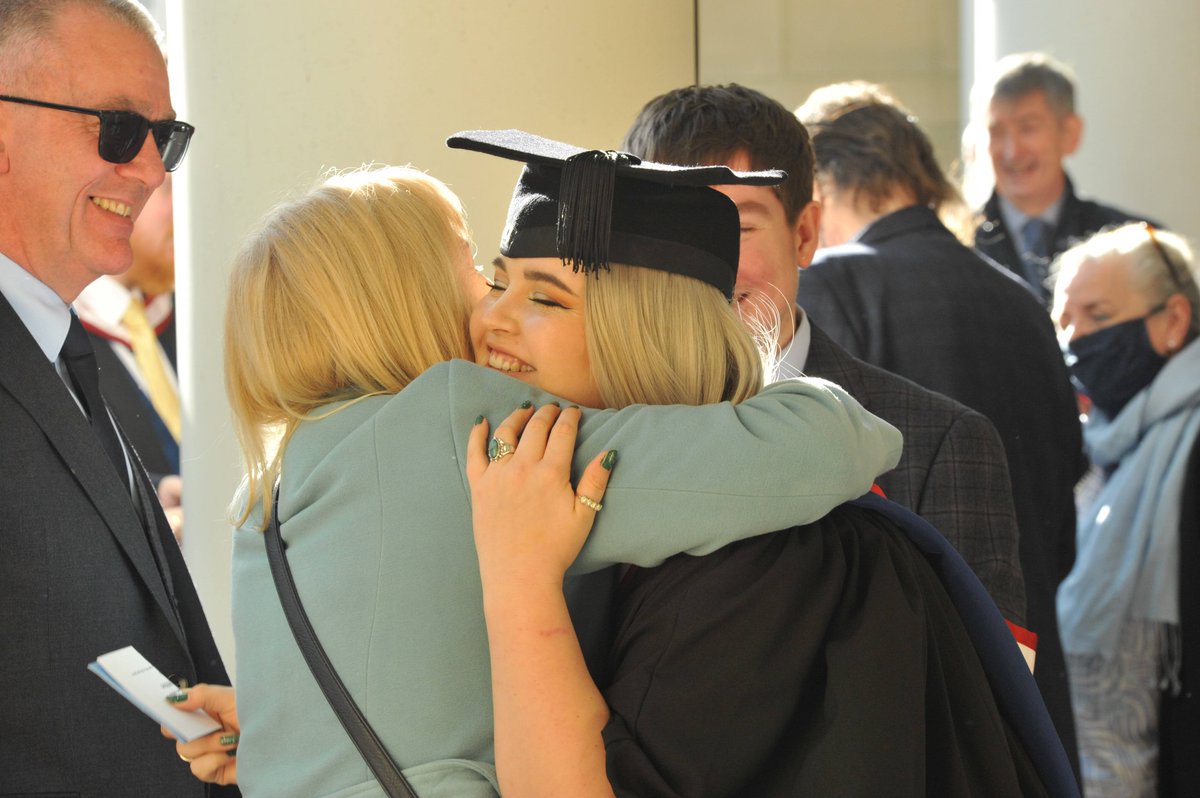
(347, 309)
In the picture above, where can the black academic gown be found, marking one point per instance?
(828, 659)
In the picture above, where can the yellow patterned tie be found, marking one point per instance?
(150, 364)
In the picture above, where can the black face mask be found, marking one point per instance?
(1111, 365)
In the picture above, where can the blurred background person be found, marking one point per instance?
(1126, 304)
(130, 318)
(896, 288)
(1031, 127)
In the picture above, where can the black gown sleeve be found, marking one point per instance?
(821, 660)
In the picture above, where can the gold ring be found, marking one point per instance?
(591, 504)
(185, 759)
(498, 449)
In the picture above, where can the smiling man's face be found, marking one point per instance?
(69, 213)
(1027, 142)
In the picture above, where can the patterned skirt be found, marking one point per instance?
(1116, 704)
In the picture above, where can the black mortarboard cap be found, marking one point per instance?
(595, 207)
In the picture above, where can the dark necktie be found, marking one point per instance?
(1036, 235)
(80, 359)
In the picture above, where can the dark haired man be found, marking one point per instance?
(1034, 213)
(953, 470)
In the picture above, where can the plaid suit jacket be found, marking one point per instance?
(953, 472)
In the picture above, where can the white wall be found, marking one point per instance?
(279, 90)
(788, 48)
(1136, 65)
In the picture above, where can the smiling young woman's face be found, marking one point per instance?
(530, 326)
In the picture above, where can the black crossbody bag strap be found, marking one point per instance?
(352, 718)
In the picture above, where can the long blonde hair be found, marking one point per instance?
(659, 338)
(348, 291)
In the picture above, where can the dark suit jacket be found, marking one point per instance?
(1179, 724)
(830, 659)
(134, 412)
(81, 576)
(1078, 220)
(953, 471)
(908, 297)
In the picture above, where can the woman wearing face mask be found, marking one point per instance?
(760, 669)
(1126, 304)
(343, 307)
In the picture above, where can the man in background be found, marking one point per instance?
(1034, 213)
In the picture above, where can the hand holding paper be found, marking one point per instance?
(213, 758)
(131, 675)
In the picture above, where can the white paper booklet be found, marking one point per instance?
(131, 675)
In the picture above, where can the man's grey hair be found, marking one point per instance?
(24, 23)
(1021, 74)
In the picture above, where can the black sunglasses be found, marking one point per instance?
(122, 133)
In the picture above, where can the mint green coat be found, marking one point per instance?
(376, 513)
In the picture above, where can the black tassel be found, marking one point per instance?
(585, 201)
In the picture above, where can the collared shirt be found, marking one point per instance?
(795, 355)
(47, 318)
(41, 310)
(1015, 220)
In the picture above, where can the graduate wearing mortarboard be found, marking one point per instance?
(856, 655)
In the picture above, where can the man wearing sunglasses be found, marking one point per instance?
(88, 564)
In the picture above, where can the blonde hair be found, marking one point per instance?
(348, 291)
(659, 338)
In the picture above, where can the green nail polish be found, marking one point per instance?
(479, 421)
(229, 739)
(232, 752)
(526, 404)
(556, 404)
(610, 459)
(177, 698)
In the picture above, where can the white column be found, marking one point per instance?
(279, 90)
(1136, 65)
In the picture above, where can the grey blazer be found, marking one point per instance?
(953, 471)
(81, 575)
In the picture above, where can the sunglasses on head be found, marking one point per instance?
(122, 133)
(1180, 283)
